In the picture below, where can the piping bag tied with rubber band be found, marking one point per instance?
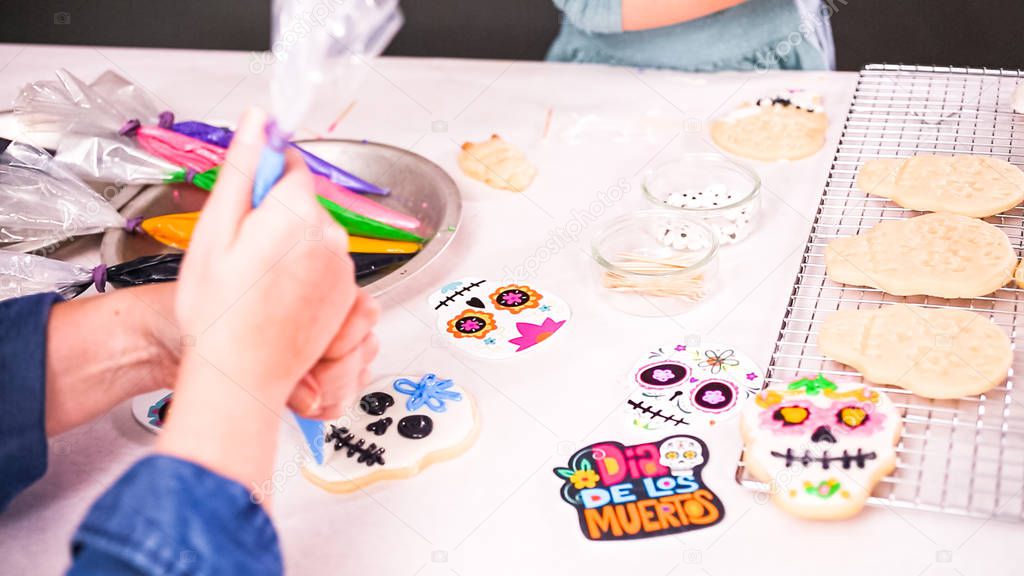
(317, 165)
(111, 160)
(40, 199)
(352, 31)
(26, 274)
(112, 106)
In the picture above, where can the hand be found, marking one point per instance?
(266, 297)
(87, 376)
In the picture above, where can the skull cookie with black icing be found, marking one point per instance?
(399, 427)
(821, 446)
(497, 319)
(690, 384)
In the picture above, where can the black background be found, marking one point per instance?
(959, 32)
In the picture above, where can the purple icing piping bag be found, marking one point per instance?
(222, 137)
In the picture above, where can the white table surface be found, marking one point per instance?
(496, 509)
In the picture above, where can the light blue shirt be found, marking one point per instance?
(754, 35)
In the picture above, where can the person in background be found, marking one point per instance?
(247, 331)
(697, 35)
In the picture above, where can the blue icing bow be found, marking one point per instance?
(429, 391)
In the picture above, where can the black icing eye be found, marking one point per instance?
(376, 403)
(663, 374)
(470, 324)
(416, 426)
(714, 396)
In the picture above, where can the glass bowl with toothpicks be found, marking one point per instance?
(711, 187)
(656, 262)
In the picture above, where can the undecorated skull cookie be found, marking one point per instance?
(933, 352)
(690, 384)
(975, 186)
(940, 254)
(399, 427)
(497, 319)
(820, 446)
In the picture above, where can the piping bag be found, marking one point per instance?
(307, 45)
(25, 274)
(111, 106)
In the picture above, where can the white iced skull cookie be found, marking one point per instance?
(397, 428)
(690, 384)
(820, 446)
(494, 319)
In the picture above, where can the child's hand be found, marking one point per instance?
(265, 297)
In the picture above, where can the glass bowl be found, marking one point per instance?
(711, 187)
(655, 262)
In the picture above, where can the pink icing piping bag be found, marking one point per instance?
(346, 198)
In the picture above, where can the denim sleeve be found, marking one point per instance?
(168, 516)
(595, 16)
(23, 392)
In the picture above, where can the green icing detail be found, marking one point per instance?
(813, 387)
(824, 489)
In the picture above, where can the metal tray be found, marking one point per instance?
(419, 187)
(963, 456)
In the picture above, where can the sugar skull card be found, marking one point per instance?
(821, 446)
(625, 492)
(497, 319)
(690, 384)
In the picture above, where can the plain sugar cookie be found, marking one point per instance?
(497, 163)
(789, 126)
(976, 186)
(934, 353)
(820, 446)
(941, 254)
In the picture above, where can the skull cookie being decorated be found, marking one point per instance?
(399, 427)
(693, 384)
(821, 446)
(497, 320)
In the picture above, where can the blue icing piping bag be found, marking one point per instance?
(309, 45)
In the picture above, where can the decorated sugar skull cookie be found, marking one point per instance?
(398, 427)
(821, 446)
(690, 384)
(497, 320)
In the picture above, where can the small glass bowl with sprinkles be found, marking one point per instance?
(711, 187)
(655, 262)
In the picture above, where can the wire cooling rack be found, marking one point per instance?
(962, 456)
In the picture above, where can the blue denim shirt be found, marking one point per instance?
(164, 516)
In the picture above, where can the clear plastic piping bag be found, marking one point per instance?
(109, 160)
(40, 199)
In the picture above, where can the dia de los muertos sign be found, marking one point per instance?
(625, 492)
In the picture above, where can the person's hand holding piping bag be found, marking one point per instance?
(266, 298)
(269, 316)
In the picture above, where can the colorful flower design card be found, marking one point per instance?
(497, 320)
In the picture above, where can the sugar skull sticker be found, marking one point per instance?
(150, 409)
(397, 428)
(821, 446)
(696, 384)
(626, 492)
(497, 320)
